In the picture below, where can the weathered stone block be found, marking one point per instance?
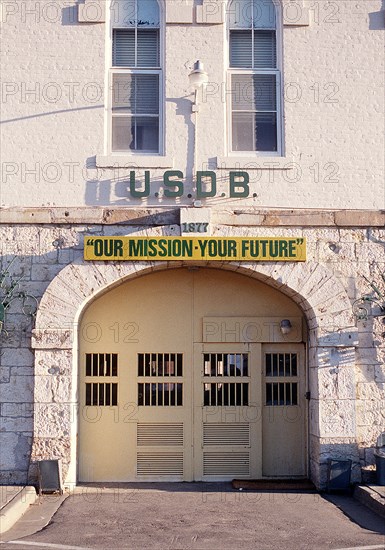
(334, 383)
(374, 392)
(16, 424)
(53, 389)
(5, 373)
(337, 418)
(17, 409)
(52, 339)
(53, 419)
(16, 450)
(18, 389)
(53, 362)
(22, 357)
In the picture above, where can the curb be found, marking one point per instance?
(370, 498)
(15, 501)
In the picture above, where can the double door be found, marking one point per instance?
(214, 412)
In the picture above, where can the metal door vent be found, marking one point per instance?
(160, 464)
(160, 434)
(226, 434)
(226, 464)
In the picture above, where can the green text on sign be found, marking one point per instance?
(195, 248)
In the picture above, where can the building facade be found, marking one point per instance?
(192, 238)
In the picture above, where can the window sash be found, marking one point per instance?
(256, 14)
(136, 117)
(131, 13)
(135, 93)
(134, 48)
(136, 134)
(254, 112)
(253, 49)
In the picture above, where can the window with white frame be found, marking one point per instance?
(255, 79)
(135, 77)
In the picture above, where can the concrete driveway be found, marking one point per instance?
(199, 516)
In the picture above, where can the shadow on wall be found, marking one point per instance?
(69, 14)
(376, 18)
(113, 186)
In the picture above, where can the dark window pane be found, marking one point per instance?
(140, 364)
(88, 364)
(108, 395)
(140, 395)
(275, 364)
(287, 365)
(281, 365)
(108, 364)
(268, 364)
(94, 364)
(245, 394)
(275, 394)
(266, 131)
(101, 394)
(294, 364)
(101, 364)
(245, 365)
(94, 394)
(179, 364)
(114, 364)
(88, 395)
(114, 394)
(148, 366)
(269, 394)
(179, 400)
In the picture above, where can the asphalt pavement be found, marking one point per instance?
(195, 516)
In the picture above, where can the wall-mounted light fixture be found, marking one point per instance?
(198, 78)
(285, 326)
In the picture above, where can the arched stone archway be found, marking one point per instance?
(316, 290)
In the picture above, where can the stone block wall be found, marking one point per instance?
(345, 355)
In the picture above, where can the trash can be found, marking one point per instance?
(50, 478)
(379, 455)
(339, 473)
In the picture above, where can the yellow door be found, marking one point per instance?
(284, 410)
(135, 392)
(135, 419)
(227, 411)
(156, 405)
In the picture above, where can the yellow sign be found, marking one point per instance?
(195, 248)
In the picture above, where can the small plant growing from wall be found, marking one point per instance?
(10, 292)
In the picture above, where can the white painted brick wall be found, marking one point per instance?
(334, 109)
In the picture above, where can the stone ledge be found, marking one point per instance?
(81, 215)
